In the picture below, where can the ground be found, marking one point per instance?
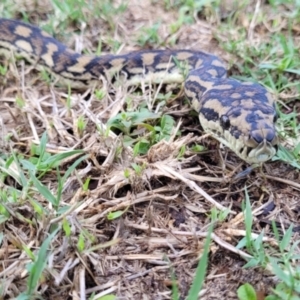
(128, 214)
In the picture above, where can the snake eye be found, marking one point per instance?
(275, 118)
(225, 122)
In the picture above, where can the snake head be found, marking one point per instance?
(253, 133)
(242, 117)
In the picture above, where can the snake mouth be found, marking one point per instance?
(247, 149)
(258, 153)
(263, 152)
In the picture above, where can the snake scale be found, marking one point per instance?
(241, 115)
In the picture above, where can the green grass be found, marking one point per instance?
(28, 173)
(36, 268)
(280, 260)
(39, 177)
(148, 134)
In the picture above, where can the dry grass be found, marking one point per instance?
(166, 201)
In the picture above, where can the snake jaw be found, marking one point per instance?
(263, 144)
(247, 148)
(262, 153)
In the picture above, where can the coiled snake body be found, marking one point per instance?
(241, 115)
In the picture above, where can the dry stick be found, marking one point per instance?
(82, 284)
(114, 284)
(240, 217)
(125, 204)
(288, 182)
(103, 286)
(148, 257)
(217, 239)
(17, 267)
(106, 292)
(253, 21)
(193, 186)
(214, 237)
(66, 268)
(254, 236)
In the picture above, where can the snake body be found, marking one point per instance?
(241, 115)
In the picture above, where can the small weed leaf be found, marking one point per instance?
(141, 147)
(115, 215)
(107, 297)
(86, 184)
(138, 168)
(66, 227)
(43, 190)
(248, 219)
(285, 155)
(166, 127)
(38, 208)
(36, 268)
(149, 35)
(126, 120)
(246, 292)
(175, 290)
(81, 243)
(286, 240)
(282, 292)
(3, 70)
(56, 159)
(198, 148)
(201, 268)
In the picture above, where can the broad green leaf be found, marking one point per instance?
(246, 292)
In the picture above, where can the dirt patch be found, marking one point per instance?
(166, 196)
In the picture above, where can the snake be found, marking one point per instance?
(241, 115)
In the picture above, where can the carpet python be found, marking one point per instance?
(241, 115)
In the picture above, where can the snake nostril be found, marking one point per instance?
(271, 135)
(257, 137)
